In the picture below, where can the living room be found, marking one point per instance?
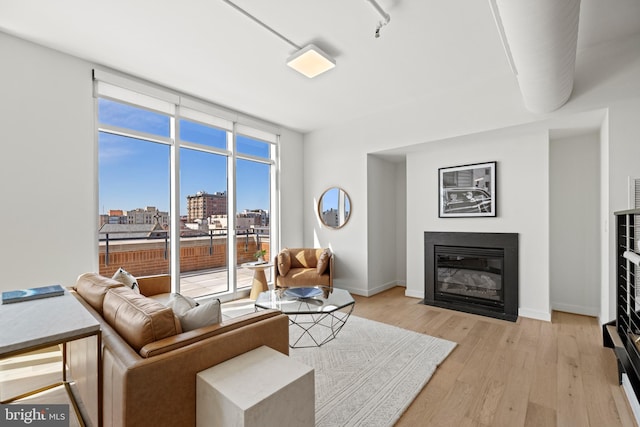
(387, 160)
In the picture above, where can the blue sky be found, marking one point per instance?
(135, 173)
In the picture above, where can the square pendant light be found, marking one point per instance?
(311, 61)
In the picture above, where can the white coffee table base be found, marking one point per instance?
(259, 388)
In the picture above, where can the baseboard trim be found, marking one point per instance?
(576, 309)
(414, 294)
(374, 291)
(535, 314)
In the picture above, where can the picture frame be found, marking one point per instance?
(467, 191)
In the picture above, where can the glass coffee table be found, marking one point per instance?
(316, 314)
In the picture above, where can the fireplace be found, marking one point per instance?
(472, 272)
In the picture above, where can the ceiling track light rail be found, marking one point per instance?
(385, 16)
(310, 60)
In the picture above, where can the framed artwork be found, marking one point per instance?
(467, 191)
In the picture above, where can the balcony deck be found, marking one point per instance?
(203, 260)
(214, 281)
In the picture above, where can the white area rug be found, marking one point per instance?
(371, 372)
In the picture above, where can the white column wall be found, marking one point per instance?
(574, 198)
(401, 223)
(382, 221)
(291, 189)
(334, 165)
(49, 214)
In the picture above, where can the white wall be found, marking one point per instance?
(334, 165)
(574, 224)
(522, 175)
(49, 212)
(48, 172)
(401, 223)
(624, 161)
(606, 78)
(607, 243)
(291, 189)
(381, 223)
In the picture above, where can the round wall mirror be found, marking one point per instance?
(334, 207)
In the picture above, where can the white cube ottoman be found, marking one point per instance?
(260, 388)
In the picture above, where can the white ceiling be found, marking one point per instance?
(208, 49)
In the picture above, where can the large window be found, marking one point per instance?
(182, 190)
(134, 190)
(253, 190)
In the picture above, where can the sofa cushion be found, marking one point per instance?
(165, 298)
(92, 288)
(304, 258)
(126, 278)
(323, 261)
(139, 320)
(284, 262)
(191, 318)
(303, 277)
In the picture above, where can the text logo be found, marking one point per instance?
(34, 415)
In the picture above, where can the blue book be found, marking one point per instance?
(32, 293)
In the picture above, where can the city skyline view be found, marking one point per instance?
(134, 173)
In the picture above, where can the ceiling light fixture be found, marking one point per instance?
(310, 60)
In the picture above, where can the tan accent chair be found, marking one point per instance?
(303, 268)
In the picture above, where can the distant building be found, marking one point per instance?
(331, 217)
(218, 222)
(148, 215)
(202, 205)
(252, 217)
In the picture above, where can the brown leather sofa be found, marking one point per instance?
(149, 365)
(301, 267)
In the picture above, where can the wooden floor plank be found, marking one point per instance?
(622, 407)
(539, 416)
(525, 373)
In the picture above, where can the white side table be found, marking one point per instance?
(260, 388)
(259, 278)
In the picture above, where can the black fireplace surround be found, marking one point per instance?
(472, 272)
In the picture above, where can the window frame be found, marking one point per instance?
(139, 94)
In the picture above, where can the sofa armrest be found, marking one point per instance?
(186, 338)
(154, 285)
(143, 390)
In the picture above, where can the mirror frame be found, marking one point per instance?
(347, 199)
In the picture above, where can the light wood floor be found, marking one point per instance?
(31, 371)
(528, 373)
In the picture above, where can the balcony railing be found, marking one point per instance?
(200, 253)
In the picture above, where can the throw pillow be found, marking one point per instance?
(323, 261)
(203, 315)
(284, 262)
(127, 279)
(195, 317)
(179, 304)
(164, 299)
